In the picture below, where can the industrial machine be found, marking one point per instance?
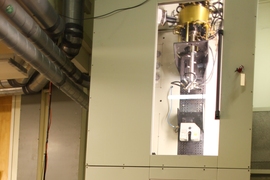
(198, 61)
(141, 83)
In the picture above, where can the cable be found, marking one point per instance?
(48, 131)
(177, 83)
(217, 18)
(213, 66)
(110, 13)
(169, 112)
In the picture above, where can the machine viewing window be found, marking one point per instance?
(187, 82)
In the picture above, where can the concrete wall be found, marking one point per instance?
(28, 142)
(64, 139)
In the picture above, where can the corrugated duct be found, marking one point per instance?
(45, 15)
(31, 84)
(73, 34)
(24, 48)
(19, 17)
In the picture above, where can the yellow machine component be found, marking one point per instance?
(194, 13)
(193, 21)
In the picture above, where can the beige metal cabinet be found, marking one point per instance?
(122, 97)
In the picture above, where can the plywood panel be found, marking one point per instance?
(4, 49)
(5, 121)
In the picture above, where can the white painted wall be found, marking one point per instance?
(262, 59)
(64, 139)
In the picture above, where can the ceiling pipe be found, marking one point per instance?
(73, 28)
(29, 85)
(23, 21)
(21, 81)
(45, 15)
(34, 82)
(24, 48)
(73, 34)
(36, 85)
(11, 91)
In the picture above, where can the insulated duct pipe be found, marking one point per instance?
(21, 86)
(21, 81)
(21, 45)
(17, 82)
(73, 34)
(45, 15)
(11, 91)
(36, 85)
(30, 29)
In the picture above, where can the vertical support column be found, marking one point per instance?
(82, 155)
(14, 137)
(42, 132)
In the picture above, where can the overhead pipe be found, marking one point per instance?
(28, 85)
(38, 83)
(45, 15)
(24, 48)
(35, 86)
(20, 81)
(73, 34)
(22, 20)
(73, 28)
(11, 91)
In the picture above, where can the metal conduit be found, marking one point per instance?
(21, 81)
(74, 14)
(45, 15)
(21, 45)
(35, 86)
(73, 34)
(21, 86)
(11, 91)
(22, 20)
